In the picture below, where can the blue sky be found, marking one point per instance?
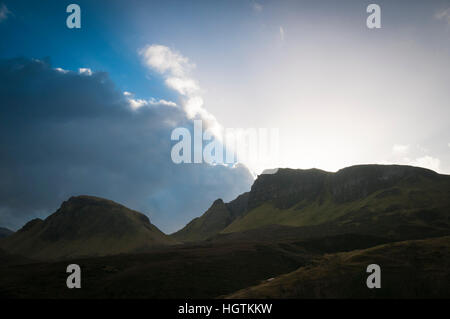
(340, 93)
(102, 44)
(113, 31)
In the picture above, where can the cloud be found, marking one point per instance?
(443, 15)
(415, 156)
(85, 71)
(427, 162)
(257, 7)
(65, 133)
(176, 70)
(164, 60)
(4, 12)
(400, 149)
(61, 70)
(138, 103)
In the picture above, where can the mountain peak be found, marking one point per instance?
(31, 224)
(218, 202)
(87, 200)
(84, 226)
(216, 218)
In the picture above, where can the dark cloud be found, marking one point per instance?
(64, 134)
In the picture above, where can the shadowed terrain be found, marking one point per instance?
(196, 271)
(85, 226)
(296, 234)
(409, 269)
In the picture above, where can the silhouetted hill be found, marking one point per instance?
(5, 232)
(409, 269)
(392, 201)
(86, 226)
(214, 220)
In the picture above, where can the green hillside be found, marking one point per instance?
(213, 221)
(411, 200)
(216, 218)
(399, 201)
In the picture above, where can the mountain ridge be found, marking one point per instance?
(356, 194)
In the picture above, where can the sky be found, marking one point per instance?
(91, 110)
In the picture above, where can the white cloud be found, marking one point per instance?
(85, 71)
(427, 162)
(184, 86)
(415, 155)
(176, 70)
(4, 12)
(400, 149)
(61, 70)
(138, 103)
(153, 101)
(164, 60)
(257, 7)
(443, 15)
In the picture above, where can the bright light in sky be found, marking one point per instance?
(341, 94)
(337, 92)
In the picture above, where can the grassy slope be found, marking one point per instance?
(215, 219)
(404, 199)
(409, 269)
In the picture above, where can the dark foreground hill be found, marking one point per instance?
(85, 226)
(409, 269)
(300, 270)
(181, 271)
(7, 259)
(392, 201)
